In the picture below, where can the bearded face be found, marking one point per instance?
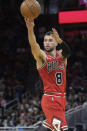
(49, 43)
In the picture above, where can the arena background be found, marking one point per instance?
(21, 88)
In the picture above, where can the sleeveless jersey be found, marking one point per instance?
(53, 74)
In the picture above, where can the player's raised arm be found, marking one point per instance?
(36, 51)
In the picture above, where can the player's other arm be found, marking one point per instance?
(66, 52)
(36, 51)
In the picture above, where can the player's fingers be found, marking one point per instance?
(54, 30)
(25, 19)
(28, 20)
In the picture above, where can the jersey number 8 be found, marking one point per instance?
(59, 78)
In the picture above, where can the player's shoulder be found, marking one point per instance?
(59, 52)
(61, 56)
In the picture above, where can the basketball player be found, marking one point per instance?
(51, 65)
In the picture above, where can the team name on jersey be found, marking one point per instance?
(53, 65)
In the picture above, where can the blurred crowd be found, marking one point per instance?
(27, 112)
(19, 77)
(77, 70)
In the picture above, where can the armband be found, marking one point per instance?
(66, 52)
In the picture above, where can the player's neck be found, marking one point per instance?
(52, 53)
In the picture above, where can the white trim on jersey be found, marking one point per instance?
(42, 66)
(45, 124)
(54, 95)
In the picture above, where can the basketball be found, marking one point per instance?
(30, 9)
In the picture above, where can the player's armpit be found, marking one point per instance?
(38, 54)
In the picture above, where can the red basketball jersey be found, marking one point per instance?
(53, 74)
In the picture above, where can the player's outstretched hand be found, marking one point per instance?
(29, 23)
(56, 36)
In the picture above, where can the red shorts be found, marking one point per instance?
(54, 110)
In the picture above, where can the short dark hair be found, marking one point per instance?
(49, 33)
